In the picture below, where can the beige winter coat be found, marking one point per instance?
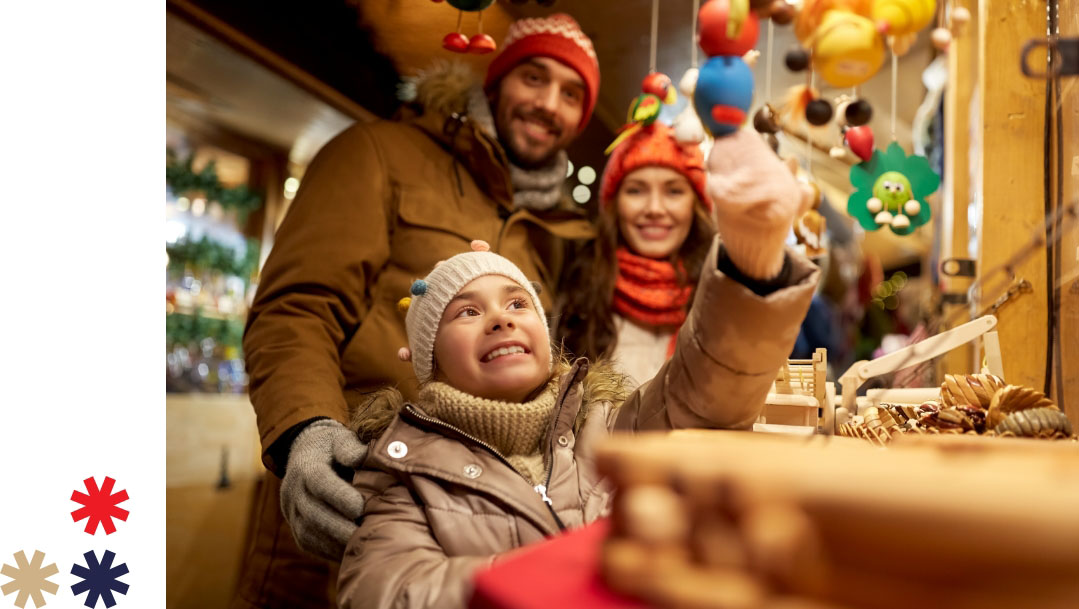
(441, 505)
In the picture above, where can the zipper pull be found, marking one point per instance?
(542, 490)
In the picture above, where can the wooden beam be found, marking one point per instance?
(1012, 109)
(1069, 246)
(956, 185)
(248, 46)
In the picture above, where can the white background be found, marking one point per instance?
(82, 100)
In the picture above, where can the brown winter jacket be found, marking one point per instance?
(440, 505)
(377, 208)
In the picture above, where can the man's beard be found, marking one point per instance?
(517, 158)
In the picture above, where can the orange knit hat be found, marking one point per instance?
(654, 146)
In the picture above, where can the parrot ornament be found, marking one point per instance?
(657, 91)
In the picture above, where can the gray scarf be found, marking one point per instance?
(539, 188)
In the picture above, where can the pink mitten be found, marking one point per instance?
(756, 201)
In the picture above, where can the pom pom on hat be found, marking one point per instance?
(419, 287)
(404, 354)
(479, 245)
(403, 304)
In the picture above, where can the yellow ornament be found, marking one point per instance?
(902, 17)
(403, 304)
(846, 49)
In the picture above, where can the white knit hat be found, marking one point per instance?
(432, 294)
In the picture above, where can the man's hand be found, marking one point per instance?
(320, 506)
(756, 201)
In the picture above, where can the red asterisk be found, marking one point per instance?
(99, 506)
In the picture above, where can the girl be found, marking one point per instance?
(654, 231)
(498, 450)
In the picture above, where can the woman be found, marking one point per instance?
(629, 292)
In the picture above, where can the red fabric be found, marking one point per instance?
(647, 291)
(654, 146)
(558, 37)
(559, 573)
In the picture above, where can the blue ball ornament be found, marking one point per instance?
(724, 93)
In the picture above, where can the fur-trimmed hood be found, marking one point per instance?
(445, 87)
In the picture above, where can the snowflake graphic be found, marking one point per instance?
(99, 506)
(100, 579)
(30, 579)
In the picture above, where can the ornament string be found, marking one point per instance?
(655, 35)
(695, 43)
(768, 65)
(895, 71)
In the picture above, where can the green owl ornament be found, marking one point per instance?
(891, 189)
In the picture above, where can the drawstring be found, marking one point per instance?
(451, 128)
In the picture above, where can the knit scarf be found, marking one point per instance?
(647, 291)
(539, 188)
(515, 430)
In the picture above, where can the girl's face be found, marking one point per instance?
(655, 211)
(491, 341)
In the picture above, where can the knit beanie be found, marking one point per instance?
(654, 146)
(558, 37)
(432, 294)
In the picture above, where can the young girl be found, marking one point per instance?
(654, 231)
(498, 451)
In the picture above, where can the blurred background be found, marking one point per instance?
(254, 89)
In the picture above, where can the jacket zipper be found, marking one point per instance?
(541, 489)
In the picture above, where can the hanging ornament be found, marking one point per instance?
(860, 141)
(687, 125)
(457, 42)
(846, 49)
(857, 113)
(727, 30)
(724, 93)
(891, 190)
(645, 108)
(809, 229)
(902, 17)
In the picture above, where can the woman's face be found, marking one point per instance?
(655, 211)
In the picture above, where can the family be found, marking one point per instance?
(440, 339)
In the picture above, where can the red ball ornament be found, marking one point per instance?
(860, 140)
(481, 44)
(456, 42)
(712, 30)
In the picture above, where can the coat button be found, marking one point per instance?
(563, 441)
(397, 449)
(473, 471)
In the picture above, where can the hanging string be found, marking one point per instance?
(895, 64)
(809, 130)
(479, 26)
(460, 16)
(693, 45)
(655, 35)
(768, 65)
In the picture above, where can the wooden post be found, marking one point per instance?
(1012, 140)
(1069, 245)
(956, 192)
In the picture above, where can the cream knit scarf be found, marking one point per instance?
(515, 430)
(539, 188)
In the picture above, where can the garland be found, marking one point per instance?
(207, 254)
(181, 178)
(187, 330)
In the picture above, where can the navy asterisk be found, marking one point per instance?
(100, 579)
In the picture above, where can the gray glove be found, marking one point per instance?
(320, 506)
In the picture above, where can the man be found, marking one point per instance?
(378, 207)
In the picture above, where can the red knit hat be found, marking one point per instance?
(654, 146)
(558, 37)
